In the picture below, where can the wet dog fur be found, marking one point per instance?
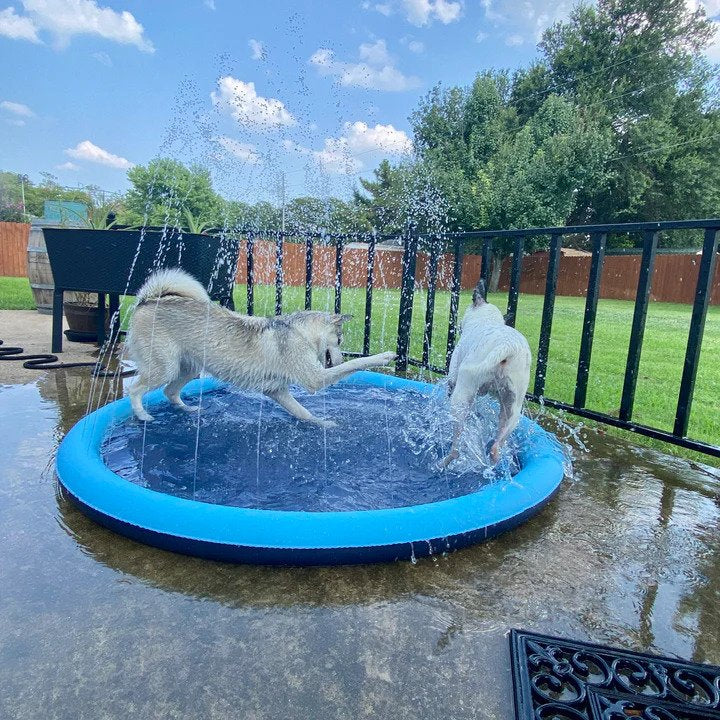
(491, 358)
(176, 332)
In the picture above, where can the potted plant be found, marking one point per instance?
(80, 308)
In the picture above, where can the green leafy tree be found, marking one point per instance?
(166, 192)
(636, 67)
(537, 176)
(383, 202)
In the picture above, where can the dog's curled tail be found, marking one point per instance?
(172, 281)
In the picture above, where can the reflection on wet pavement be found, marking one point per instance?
(96, 626)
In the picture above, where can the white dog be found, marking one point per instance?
(490, 358)
(176, 332)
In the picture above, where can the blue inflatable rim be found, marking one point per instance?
(299, 537)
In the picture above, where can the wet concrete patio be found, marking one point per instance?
(96, 626)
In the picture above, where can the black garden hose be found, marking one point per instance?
(48, 361)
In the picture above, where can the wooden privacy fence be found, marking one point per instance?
(674, 278)
(13, 249)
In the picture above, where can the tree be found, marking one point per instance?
(382, 202)
(165, 192)
(635, 65)
(537, 176)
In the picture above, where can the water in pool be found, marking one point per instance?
(246, 451)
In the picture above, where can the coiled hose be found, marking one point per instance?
(48, 361)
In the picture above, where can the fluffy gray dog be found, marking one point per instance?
(176, 332)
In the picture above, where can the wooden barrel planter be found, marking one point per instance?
(39, 272)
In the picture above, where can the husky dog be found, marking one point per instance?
(490, 358)
(176, 332)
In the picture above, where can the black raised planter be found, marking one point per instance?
(117, 262)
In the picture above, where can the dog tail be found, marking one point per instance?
(172, 281)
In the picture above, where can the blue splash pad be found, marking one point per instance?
(382, 454)
(338, 503)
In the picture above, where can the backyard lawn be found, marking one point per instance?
(660, 368)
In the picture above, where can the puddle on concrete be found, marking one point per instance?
(96, 626)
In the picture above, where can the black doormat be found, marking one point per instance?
(558, 679)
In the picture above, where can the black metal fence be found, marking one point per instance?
(457, 241)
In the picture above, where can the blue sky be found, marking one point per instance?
(317, 91)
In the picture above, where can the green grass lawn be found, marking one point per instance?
(15, 294)
(660, 367)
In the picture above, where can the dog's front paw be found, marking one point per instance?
(145, 417)
(387, 357)
(448, 459)
(327, 424)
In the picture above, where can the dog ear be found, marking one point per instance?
(342, 319)
(479, 293)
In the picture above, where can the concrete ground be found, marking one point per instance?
(94, 626)
(31, 331)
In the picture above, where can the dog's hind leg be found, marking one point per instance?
(173, 388)
(510, 411)
(286, 400)
(137, 390)
(165, 369)
(461, 401)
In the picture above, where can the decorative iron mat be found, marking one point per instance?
(558, 679)
(618, 706)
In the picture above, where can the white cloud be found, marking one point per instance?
(424, 12)
(416, 46)
(481, 36)
(385, 8)
(66, 18)
(17, 108)
(291, 146)
(376, 71)
(257, 50)
(514, 40)
(17, 122)
(375, 53)
(67, 166)
(711, 7)
(243, 151)
(382, 138)
(86, 150)
(103, 58)
(528, 19)
(343, 155)
(242, 102)
(210, 4)
(17, 27)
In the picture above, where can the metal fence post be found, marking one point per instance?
(308, 271)
(407, 293)
(279, 275)
(338, 273)
(547, 314)
(703, 289)
(515, 274)
(599, 241)
(454, 299)
(642, 299)
(369, 293)
(250, 286)
(430, 305)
